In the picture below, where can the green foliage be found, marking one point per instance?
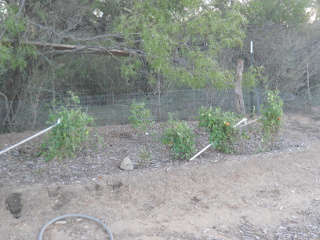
(180, 138)
(253, 76)
(141, 118)
(180, 39)
(290, 12)
(14, 55)
(5, 56)
(13, 23)
(145, 156)
(271, 116)
(72, 135)
(220, 127)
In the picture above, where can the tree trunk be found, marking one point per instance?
(238, 88)
(308, 83)
(159, 98)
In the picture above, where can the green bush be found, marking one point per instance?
(272, 112)
(141, 118)
(180, 138)
(72, 135)
(220, 127)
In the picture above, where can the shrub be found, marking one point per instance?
(141, 118)
(271, 117)
(180, 138)
(69, 137)
(220, 127)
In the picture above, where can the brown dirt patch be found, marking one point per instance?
(271, 195)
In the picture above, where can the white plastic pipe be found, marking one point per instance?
(243, 120)
(29, 138)
(250, 122)
(200, 152)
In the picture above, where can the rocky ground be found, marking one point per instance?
(252, 195)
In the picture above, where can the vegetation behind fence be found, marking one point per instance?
(156, 63)
(184, 104)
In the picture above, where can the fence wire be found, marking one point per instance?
(183, 104)
(290, 59)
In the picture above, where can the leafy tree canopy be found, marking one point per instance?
(180, 39)
(288, 12)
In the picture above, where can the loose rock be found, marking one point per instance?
(126, 164)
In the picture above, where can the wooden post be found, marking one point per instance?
(159, 98)
(308, 83)
(238, 88)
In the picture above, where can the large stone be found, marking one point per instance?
(127, 164)
(13, 204)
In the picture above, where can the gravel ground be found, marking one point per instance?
(250, 195)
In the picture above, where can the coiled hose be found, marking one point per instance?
(75, 215)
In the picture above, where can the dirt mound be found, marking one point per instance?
(270, 195)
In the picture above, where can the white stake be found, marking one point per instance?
(200, 152)
(26, 140)
(243, 120)
(250, 122)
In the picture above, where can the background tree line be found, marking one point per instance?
(173, 44)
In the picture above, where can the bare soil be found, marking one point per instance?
(252, 195)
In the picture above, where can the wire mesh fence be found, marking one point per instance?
(183, 104)
(290, 60)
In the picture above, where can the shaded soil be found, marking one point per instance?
(253, 195)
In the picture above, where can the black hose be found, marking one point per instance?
(75, 215)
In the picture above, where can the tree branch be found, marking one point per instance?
(67, 48)
(21, 7)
